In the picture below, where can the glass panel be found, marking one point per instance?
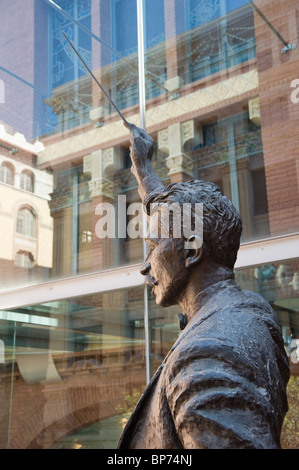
(69, 365)
(7, 363)
(27, 181)
(232, 157)
(155, 52)
(164, 330)
(58, 96)
(25, 223)
(279, 283)
(207, 106)
(6, 173)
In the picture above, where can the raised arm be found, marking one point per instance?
(142, 147)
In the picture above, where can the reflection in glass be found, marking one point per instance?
(69, 365)
(82, 157)
(7, 173)
(278, 282)
(164, 330)
(26, 222)
(214, 43)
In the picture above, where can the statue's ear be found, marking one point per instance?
(193, 251)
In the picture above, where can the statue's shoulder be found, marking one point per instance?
(258, 300)
(229, 320)
(260, 307)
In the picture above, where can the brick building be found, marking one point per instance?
(220, 101)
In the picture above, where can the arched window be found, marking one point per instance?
(7, 173)
(27, 181)
(26, 222)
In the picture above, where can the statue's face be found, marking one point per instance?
(165, 268)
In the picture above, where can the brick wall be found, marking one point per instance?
(44, 414)
(279, 116)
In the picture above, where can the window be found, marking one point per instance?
(259, 191)
(27, 181)
(124, 26)
(203, 11)
(86, 236)
(232, 157)
(26, 222)
(7, 173)
(221, 36)
(66, 67)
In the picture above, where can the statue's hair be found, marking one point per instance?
(222, 225)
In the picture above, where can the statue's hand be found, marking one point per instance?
(141, 152)
(142, 147)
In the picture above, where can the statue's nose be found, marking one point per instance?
(145, 268)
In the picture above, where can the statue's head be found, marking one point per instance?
(201, 223)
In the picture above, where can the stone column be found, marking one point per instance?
(102, 165)
(255, 111)
(172, 140)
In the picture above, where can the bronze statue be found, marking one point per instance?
(223, 383)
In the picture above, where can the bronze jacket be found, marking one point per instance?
(222, 384)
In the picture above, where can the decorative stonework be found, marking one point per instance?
(87, 164)
(102, 165)
(163, 140)
(189, 131)
(255, 111)
(172, 141)
(180, 164)
(99, 187)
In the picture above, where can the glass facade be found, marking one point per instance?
(80, 333)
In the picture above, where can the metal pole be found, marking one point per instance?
(75, 222)
(97, 82)
(259, 12)
(12, 384)
(141, 78)
(233, 166)
(141, 74)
